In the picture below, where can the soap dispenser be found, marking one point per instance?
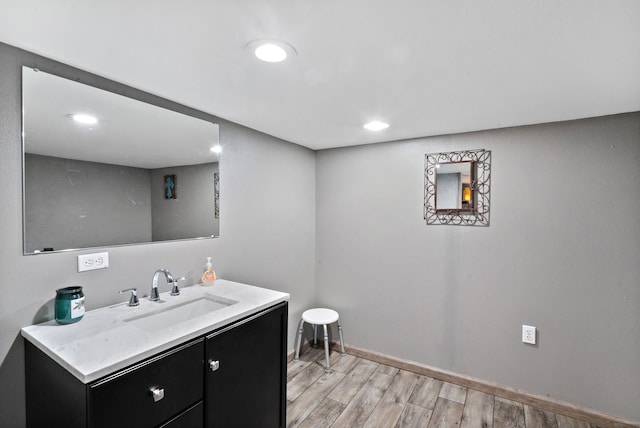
(208, 276)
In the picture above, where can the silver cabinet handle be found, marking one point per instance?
(157, 393)
(214, 365)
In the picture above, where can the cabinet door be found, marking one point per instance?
(246, 373)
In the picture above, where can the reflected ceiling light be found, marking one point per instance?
(271, 50)
(85, 119)
(376, 125)
(216, 149)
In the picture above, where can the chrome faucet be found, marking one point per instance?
(154, 297)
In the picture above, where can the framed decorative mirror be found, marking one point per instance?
(457, 188)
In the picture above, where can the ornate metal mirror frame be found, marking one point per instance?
(477, 213)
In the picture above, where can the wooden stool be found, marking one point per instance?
(316, 317)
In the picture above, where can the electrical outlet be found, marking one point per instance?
(529, 334)
(93, 261)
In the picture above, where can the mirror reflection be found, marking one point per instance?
(454, 186)
(101, 169)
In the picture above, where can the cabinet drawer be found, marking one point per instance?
(126, 399)
(192, 418)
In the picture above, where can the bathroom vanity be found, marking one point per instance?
(211, 357)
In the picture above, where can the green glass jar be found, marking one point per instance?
(69, 305)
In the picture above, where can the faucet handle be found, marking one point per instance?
(133, 301)
(175, 291)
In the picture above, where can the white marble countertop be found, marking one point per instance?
(102, 342)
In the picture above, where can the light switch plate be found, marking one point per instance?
(93, 261)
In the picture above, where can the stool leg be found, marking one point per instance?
(341, 339)
(299, 340)
(326, 349)
(315, 336)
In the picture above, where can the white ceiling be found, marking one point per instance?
(428, 67)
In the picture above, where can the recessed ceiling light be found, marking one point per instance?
(376, 125)
(84, 119)
(271, 50)
(271, 53)
(216, 149)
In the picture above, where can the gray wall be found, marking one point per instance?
(562, 253)
(267, 222)
(69, 203)
(192, 213)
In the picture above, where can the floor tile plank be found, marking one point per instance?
(507, 414)
(358, 410)
(446, 414)
(324, 415)
(353, 381)
(414, 417)
(537, 418)
(391, 405)
(478, 410)
(307, 377)
(567, 422)
(346, 363)
(295, 367)
(388, 370)
(426, 392)
(311, 398)
(453, 392)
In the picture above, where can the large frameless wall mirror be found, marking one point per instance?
(457, 188)
(101, 169)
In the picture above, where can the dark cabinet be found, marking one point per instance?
(234, 376)
(246, 373)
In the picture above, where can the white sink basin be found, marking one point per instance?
(167, 315)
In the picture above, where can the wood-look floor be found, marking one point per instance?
(362, 393)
